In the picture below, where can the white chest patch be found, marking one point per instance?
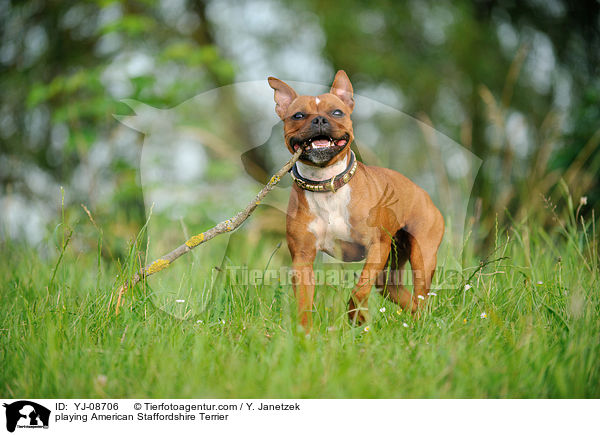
(331, 221)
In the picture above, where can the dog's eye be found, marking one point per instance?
(298, 115)
(337, 113)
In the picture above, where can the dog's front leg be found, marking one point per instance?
(304, 289)
(302, 248)
(374, 263)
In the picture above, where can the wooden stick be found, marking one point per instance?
(223, 227)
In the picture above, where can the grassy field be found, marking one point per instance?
(528, 327)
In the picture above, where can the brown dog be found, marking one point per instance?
(349, 210)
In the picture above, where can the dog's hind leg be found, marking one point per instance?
(391, 279)
(423, 261)
(374, 264)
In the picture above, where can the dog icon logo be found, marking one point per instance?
(26, 414)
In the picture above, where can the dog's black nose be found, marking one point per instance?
(320, 121)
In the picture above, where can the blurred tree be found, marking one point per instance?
(63, 68)
(515, 82)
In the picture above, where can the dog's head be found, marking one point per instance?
(321, 125)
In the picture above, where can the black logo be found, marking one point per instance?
(26, 414)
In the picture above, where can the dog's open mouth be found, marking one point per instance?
(321, 142)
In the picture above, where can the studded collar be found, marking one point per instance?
(331, 185)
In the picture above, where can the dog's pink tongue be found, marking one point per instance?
(320, 143)
(341, 142)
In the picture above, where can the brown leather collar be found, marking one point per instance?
(330, 185)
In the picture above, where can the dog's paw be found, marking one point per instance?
(357, 314)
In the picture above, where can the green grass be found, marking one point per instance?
(541, 339)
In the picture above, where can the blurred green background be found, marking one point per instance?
(517, 83)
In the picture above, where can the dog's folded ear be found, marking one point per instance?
(342, 88)
(284, 95)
